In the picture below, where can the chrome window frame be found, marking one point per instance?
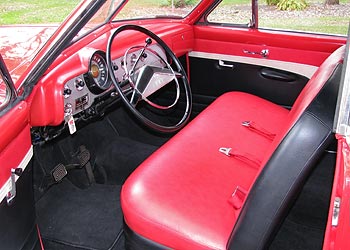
(342, 114)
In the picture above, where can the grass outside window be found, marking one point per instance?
(315, 18)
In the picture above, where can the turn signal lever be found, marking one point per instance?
(148, 41)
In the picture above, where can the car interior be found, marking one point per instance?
(250, 164)
(170, 135)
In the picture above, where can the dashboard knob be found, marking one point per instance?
(68, 109)
(79, 84)
(67, 92)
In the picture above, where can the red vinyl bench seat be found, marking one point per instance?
(196, 185)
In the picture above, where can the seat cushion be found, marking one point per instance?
(183, 196)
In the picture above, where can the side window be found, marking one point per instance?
(313, 16)
(237, 12)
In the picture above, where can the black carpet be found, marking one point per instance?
(73, 218)
(305, 225)
(127, 126)
(298, 237)
(71, 214)
(121, 157)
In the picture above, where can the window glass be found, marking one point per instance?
(314, 16)
(232, 12)
(135, 9)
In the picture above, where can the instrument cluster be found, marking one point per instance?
(86, 93)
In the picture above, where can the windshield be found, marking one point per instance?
(102, 15)
(21, 43)
(140, 9)
(137, 9)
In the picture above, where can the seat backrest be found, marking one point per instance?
(293, 155)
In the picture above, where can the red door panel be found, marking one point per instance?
(231, 59)
(17, 230)
(337, 231)
(15, 141)
(283, 46)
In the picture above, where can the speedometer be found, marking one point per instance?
(98, 71)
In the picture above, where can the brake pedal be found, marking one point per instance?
(59, 172)
(83, 156)
(84, 159)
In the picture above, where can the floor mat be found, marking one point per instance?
(83, 218)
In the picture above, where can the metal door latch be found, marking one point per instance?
(12, 193)
(263, 53)
(336, 210)
(226, 65)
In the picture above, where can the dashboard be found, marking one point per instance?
(87, 94)
(77, 84)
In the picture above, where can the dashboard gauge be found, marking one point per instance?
(98, 71)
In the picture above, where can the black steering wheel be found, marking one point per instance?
(144, 77)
